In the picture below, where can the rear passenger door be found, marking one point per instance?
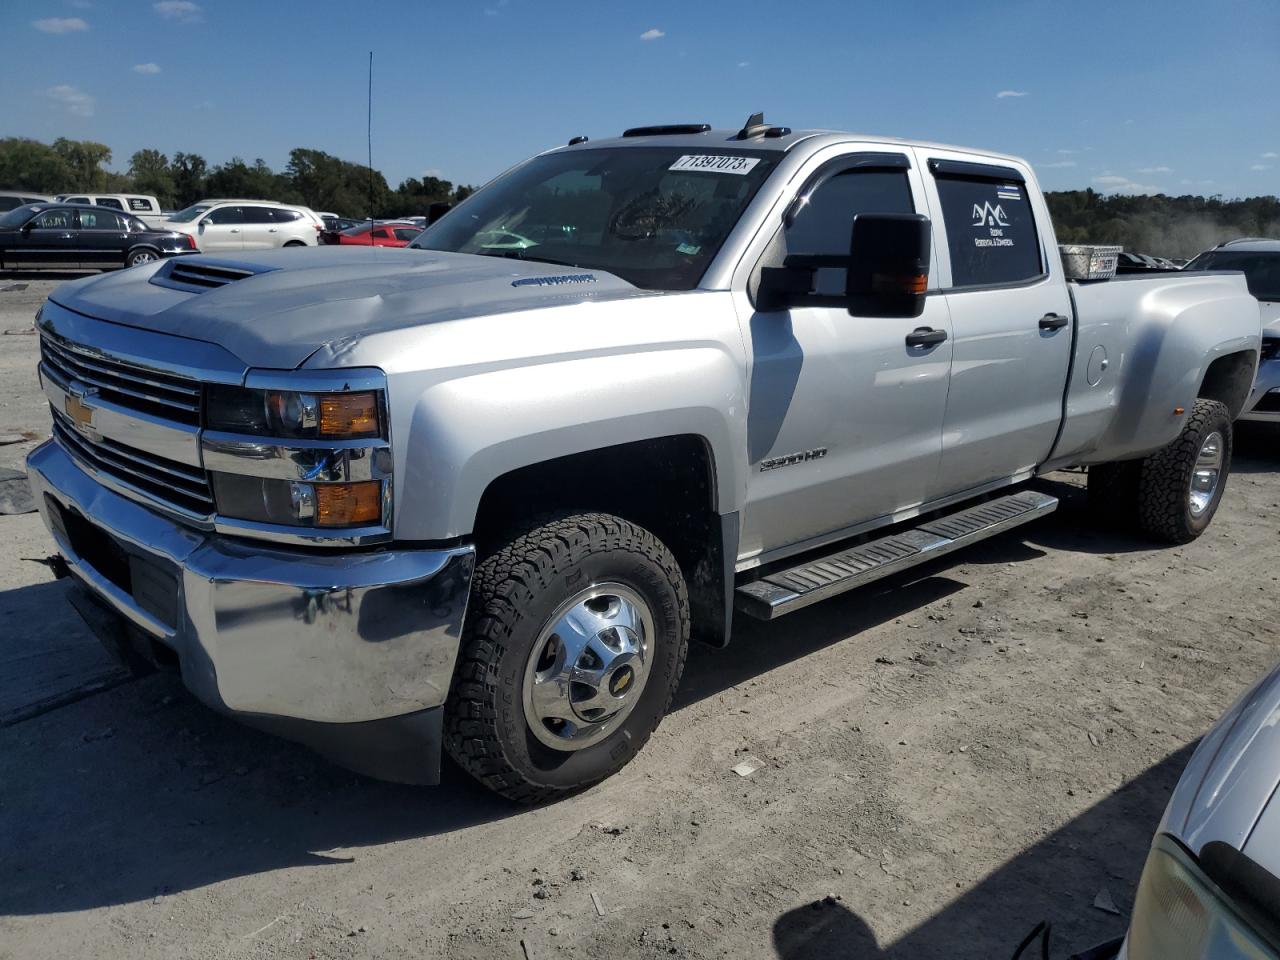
(260, 229)
(103, 238)
(1010, 317)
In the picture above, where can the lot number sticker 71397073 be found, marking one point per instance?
(710, 163)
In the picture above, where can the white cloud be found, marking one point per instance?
(1271, 155)
(1261, 166)
(60, 25)
(1154, 170)
(148, 68)
(1112, 183)
(1004, 94)
(76, 101)
(653, 34)
(184, 11)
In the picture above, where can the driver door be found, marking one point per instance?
(845, 414)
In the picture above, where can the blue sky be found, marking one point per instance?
(1130, 96)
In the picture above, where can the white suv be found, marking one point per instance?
(222, 226)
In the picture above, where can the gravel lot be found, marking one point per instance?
(946, 760)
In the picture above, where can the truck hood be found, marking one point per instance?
(1229, 790)
(280, 306)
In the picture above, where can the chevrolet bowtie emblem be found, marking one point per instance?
(80, 413)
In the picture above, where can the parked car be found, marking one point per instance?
(61, 236)
(380, 234)
(222, 226)
(8, 201)
(1210, 889)
(142, 206)
(727, 371)
(1259, 260)
(334, 225)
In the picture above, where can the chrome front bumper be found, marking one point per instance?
(263, 631)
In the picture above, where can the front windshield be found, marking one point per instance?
(17, 217)
(1261, 270)
(654, 216)
(190, 213)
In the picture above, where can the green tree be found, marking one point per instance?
(85, 160)
(188, 172)
(30, 165)
(151, 174)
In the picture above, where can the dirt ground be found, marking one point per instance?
(947, 759)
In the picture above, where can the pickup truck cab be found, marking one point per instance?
(480, 492)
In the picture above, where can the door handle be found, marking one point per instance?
(1053, 321)
(925, 337)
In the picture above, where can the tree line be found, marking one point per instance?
(312, 177)
(1161, 225)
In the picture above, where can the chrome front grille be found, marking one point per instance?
(128, 385)
(167, 481)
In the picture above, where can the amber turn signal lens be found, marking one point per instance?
(348, 504)
(349, 415)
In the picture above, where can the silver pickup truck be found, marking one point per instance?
(480, 492)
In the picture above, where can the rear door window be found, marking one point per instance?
(100, 220)
(991, 232)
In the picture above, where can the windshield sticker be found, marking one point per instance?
(711, 163)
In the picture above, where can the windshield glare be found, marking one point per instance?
(1261, 270)
(190, 213)
(621, 210)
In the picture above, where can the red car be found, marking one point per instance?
(380, 234)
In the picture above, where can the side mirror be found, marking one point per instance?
(437, 210)
(886, 271)
(888, 265)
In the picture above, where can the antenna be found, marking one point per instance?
(369, 137)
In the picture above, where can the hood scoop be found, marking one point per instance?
(198, 276)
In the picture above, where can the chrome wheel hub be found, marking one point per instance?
(588, 666)
(1207, 473)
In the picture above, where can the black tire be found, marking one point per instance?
(514, 593)
(1164, 503)
(1113, 493)
(144, 255)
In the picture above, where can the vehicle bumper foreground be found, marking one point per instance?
(351, 653)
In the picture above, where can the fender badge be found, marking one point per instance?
(559, 281)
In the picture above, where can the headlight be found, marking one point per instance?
(292, 415)
(1180, 914)
(317, 459)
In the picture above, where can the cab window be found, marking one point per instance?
(823, 225)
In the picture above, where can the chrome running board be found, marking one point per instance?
(794, 588)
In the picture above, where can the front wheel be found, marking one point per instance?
(575, 641)
(1180, 487)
